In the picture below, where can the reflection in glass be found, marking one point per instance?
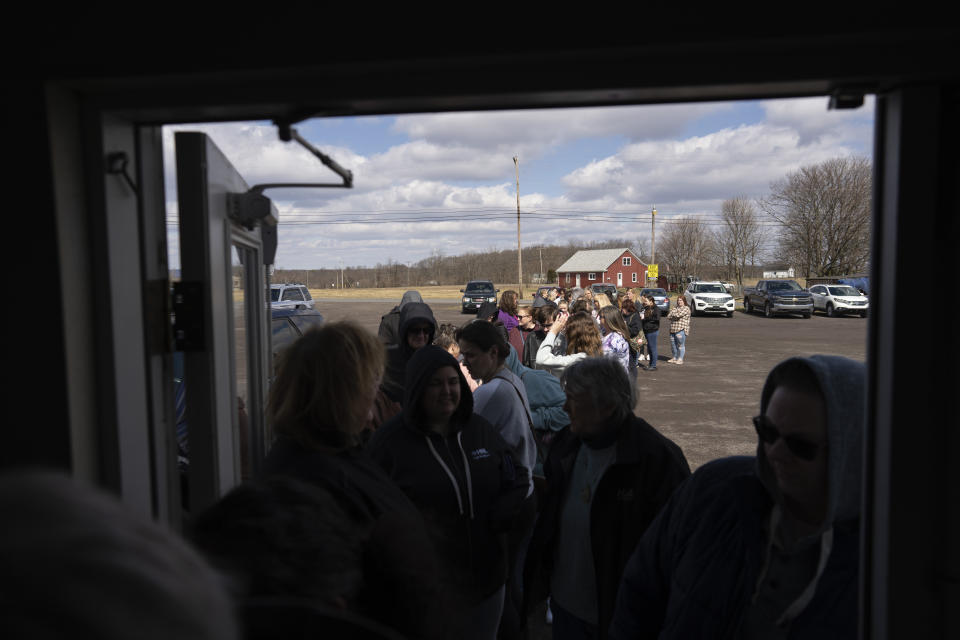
(241, 377)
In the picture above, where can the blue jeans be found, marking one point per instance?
(678, 344)
(652, 347)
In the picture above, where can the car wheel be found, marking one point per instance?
(768, 310)
(746, 306)
(863, 314)
(808, 315)
(831, 312)
(729, 314)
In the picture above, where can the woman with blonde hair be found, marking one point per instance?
(319, 407)
(583, 340)
(600, 301)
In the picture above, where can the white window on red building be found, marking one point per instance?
(626, 262)
(591, 276)
(634, 277)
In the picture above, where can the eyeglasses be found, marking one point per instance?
(769, 434)
(524, 315)
(424, 330)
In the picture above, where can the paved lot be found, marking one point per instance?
(705, 404)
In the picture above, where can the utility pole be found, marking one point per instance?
(653, 240)
(516, 164)
(542, 279)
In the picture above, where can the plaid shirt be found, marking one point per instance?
(679, 319)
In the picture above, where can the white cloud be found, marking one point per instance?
(461, 164)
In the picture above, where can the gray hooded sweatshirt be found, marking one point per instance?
(793, 564)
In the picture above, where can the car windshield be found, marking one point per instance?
(479, 289)
(843, 291)
(783, 286)
(709, 288)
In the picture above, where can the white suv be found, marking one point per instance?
(837, 299)
(290, 296)
(708, 297)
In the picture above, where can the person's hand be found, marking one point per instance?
(559, 323)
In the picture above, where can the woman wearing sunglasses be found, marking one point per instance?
(763, 547)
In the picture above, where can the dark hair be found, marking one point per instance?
(614, 319)
(580, 306)
(446, 329)
(485, 335)
(508, 302)
(627, 306)
(546, 313)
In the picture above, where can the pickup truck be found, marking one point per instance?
(778, 296)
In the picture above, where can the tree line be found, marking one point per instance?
(816, 220)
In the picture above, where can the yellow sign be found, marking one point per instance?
(652, 270)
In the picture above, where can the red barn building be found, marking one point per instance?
(619, 267)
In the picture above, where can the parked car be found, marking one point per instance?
(290, 296)
(778, 296)
(475, 293)
(286, 325)
(660, 298)
(708, 297)
(839, 299)
(608, 289)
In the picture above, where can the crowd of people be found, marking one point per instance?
(445, 482)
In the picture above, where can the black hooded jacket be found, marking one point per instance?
(399, 354)
(465, 483)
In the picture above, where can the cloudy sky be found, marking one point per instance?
(446, 182)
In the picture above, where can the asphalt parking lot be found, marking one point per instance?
(704, 405)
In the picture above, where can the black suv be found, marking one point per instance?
(476, 293)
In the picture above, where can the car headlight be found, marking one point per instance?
(466, 299)
(491, 299)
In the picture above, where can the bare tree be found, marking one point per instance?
(739, 242)
(824, 211)
(684, 246)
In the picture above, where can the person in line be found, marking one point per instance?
(488, 312)
(583, 341)
(651, 329)
(508, 309)
(417, 329)
(764, 546)
(527, 324)
(607, 477)
(447, 340)
(546, 398)
(616, 338)
(390, 323)
(465, 480)
(544, 316)
(600, 301)
(78, 563)
(679, 329)
(502, 400)
(634, 321)
(319, 406)
(297, 563)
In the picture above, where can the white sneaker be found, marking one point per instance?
(679, 362)
(672, 360)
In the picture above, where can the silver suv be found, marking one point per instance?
(290, 296)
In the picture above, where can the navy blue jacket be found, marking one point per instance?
(696, 567)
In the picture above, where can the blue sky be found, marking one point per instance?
(685, 159)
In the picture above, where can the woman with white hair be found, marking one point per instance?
(612, 472)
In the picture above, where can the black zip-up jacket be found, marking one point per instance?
(466, 484)
(651, 319)
(647, 468)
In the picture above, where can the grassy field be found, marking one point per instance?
(429, 293)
